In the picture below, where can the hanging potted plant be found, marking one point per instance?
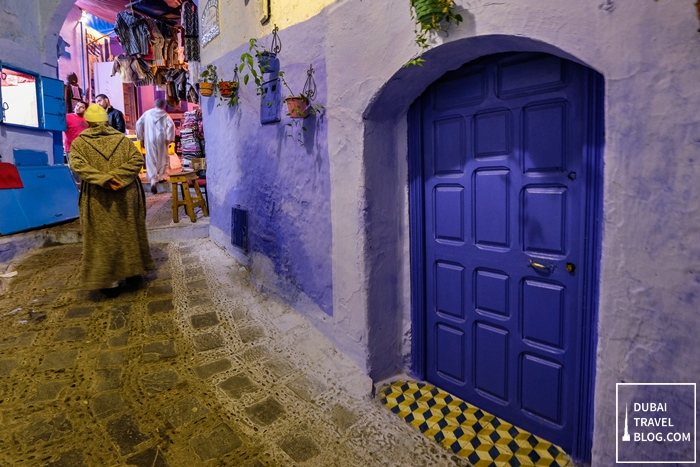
(227, 89)
(209, 80)
(299, 106)
(267, 59)
(248, 62)
(427, 9)
(431, 16)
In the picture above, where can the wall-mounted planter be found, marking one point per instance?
(227, 88)
(296, 106)
(427, 9)
(268, 63)
(270, 101)
(206, 89)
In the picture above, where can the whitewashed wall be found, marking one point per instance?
(649, 55)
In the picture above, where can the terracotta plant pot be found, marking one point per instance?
(426, 10)
(227, 88)
(296, 106)
(206, 89)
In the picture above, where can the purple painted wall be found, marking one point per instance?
(115, 48)
(284, 186)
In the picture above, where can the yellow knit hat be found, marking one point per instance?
(95, 114)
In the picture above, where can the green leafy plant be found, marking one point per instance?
(299, 107)
(431, 17)
(249, 65)
(228, 91)
(209, 74)
(209, 81)
(257, 61)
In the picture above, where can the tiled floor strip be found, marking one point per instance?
(469, 432)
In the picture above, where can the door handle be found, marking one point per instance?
(540, 266)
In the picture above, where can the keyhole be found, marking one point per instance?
(572, 176)
(570, 267)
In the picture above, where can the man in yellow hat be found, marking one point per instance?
(112, 205)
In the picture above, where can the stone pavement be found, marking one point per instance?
(193, 368)
(159, 222)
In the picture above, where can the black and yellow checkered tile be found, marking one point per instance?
(483, 439)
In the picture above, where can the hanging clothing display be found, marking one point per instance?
(176, 88)
(192, 94)
(159, 76)
(147, 79)
(157, 41)
(190, 26)
(171, 58)
(132, 33)
(159, 54)
(132, 70)
(193, 72)
(72, 94)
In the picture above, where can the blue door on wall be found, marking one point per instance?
(505, 164)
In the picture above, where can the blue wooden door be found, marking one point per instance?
(504, 169)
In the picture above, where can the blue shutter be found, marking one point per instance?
(57, 148)
(54, 105)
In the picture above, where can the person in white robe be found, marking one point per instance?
(155, 130)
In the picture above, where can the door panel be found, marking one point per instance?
(542, 388)
(543, 313)
(544, 137)
(450, 136)
(449, 213)
(530, 74)
(450, 293)
(491, 360)
(460, 89)
(544, 220)
(492, 133)
(491, 209)
(504, 207)
(491, 292)
(449, 348)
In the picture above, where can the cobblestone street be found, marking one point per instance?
(192, 368)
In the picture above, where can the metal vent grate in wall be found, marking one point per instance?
(239, 228)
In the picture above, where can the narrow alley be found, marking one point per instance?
(193, 368)
(386, 233)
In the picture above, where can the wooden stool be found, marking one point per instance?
(203, 187)
(181, 180)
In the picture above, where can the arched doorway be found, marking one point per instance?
(504, 162)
